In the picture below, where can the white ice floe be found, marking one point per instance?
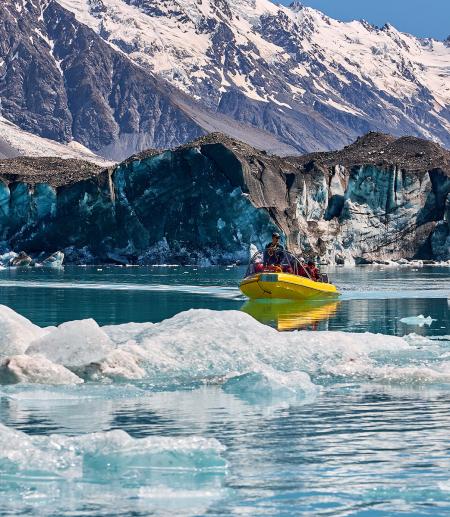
(204, 346)
(419, 321)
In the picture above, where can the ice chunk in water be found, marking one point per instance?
(418, 320)
(105, 454)
(74, 344)
(35, 369)
(268, 384)
(116, 450)
(55, 260)
(16, 332)
(5, 259)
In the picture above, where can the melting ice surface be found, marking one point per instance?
(209, 411)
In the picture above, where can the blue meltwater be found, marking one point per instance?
(162, 391)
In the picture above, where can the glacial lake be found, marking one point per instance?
(335, 416)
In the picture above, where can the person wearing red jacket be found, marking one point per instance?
(313, 271)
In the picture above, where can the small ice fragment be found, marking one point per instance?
(268, 384)
(36, 370)
(418, 320)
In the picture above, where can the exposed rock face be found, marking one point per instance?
(313, 82)
(380, 198)
(60, 80)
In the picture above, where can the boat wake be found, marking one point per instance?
(225, 292)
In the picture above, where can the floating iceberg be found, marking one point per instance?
(198, 347)
(420, 320)
(12, 259)
(54, 261)
(104, 455)
(21, 260)
(6, 258)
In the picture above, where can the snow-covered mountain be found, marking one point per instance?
(313, 81)
(121, 75)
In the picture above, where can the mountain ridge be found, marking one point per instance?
(124, 75)
(294, 63)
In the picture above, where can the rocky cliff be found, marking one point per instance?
(379, 198)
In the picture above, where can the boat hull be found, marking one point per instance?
(284, 286)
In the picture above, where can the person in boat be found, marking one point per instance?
(302, 270)
(313, 271)
(273, 254)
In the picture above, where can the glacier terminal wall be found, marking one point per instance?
(208, 201)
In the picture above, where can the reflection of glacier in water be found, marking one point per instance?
(213, 412)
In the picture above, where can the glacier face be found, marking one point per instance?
(190, 206)
(207, 202)
(314, 82)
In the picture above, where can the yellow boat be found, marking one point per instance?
(285, 286)
(272, 282)
(292, 315)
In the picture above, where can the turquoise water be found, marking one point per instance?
(373, 299)
(232, 417)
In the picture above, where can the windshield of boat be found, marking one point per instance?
(286, 262)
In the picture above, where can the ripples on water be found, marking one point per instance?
(356, 447)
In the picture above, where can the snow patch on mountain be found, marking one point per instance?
(17, 142)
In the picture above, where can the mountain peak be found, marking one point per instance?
(305, 80)
(296, 6)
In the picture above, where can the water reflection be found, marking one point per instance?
(291, 315)
(376, 316)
